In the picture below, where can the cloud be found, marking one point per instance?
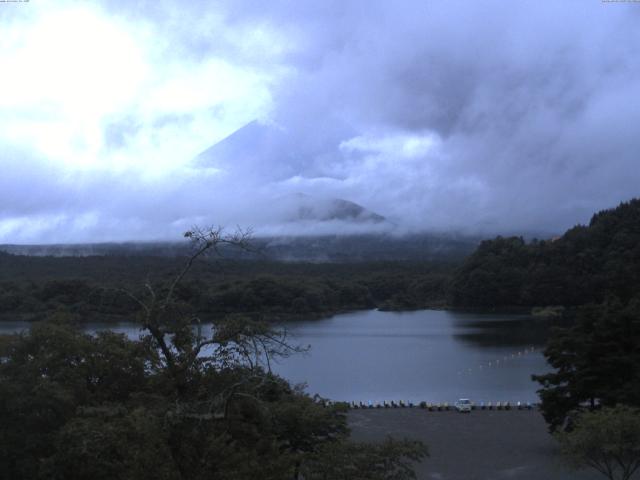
(76, 74)
(478, 116)
(531, 104)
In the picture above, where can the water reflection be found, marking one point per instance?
(425, 355)
(502, 331)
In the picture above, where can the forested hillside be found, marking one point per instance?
(585, 265)
(96, 287)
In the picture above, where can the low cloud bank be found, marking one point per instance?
(488, 117)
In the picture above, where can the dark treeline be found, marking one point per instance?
(92, 287)
(585, 265)
(596, 361)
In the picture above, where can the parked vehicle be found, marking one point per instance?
(463, 405)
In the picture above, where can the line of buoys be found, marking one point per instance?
(438, 407)
(498, 362)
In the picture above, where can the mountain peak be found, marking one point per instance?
(307, 207)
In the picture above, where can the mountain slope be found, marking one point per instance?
(585, 265)
(302, 207)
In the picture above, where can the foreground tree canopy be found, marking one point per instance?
(606, 440)
(596, 362)
(182, 402)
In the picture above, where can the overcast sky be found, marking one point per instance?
(490, 116)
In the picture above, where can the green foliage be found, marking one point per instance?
(180, 403)
(111, 442)
(583, 266)
(607, 440)
(596, 362)
(45, 375)
(77, 406)
(493, 275)
(267, 290)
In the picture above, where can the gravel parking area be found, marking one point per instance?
(481, 445)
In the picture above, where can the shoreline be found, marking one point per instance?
(283, 317)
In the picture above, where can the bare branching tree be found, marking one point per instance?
(186, 347)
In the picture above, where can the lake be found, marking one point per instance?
(430, 355)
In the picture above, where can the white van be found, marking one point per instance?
(463, 405)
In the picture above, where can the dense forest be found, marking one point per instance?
(583, 266)
(95, 287)
(596, 361)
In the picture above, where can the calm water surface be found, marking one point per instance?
(424, 355)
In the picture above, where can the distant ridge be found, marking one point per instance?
(300, 206)
(324, 248)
